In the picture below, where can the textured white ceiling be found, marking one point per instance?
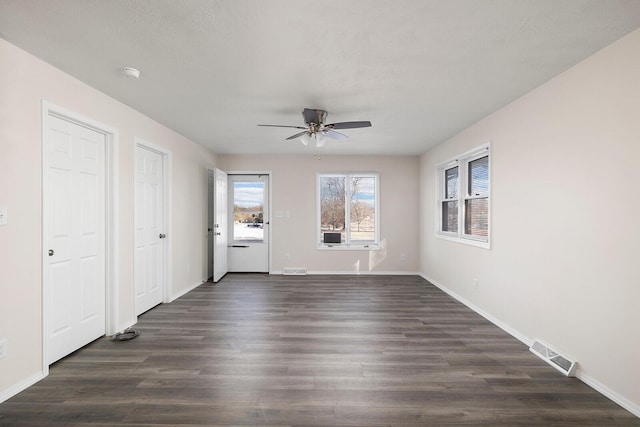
(419, 70)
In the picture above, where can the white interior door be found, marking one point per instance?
(249, 223)
(149, 237)
(74, 211)
(220, 227)
(211, 238)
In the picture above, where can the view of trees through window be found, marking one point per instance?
(347, 206)
(248, 211)
(245, 215)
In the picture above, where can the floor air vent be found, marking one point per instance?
(293, 271)
(554, 359)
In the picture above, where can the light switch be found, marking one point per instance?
(3, 216)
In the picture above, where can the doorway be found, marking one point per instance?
(211, 186)
(248, 227)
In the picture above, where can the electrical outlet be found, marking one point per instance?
(3, 216)
(3, 348)
(287, 257)
(475, 283)
(403, 257)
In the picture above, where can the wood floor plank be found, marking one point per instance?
(257, 349)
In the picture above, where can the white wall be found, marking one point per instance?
(294, 190)
(24, 82)
(565, 229)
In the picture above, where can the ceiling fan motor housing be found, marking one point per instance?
(314, 116)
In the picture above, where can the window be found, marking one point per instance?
(248, 210)
(463, 198)
(348, 211)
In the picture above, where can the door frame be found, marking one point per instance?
(166, 215)
(111, 218)
(211, 201)
(270, 188)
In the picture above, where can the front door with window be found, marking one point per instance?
(249, 224)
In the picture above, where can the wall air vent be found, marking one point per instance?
(554, 359)
(294, 271)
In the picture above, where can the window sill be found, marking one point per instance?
(338, 247)
(465, 241)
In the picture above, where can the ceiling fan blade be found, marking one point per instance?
(297, 135)
(335, 135)
(284, 126)
(349, 125)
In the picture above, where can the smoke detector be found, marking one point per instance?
(130, 72)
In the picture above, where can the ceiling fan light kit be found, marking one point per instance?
(318, 137)
(305, 138)
(317, 130)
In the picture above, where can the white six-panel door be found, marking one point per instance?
(149, 229)
(74, 239)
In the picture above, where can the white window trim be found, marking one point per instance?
(462, 161)
(348, 246)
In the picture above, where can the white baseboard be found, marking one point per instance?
(356, 273)
(508, 329)
(611, 394)
(187, 290)
(22, 385)
(591, 382)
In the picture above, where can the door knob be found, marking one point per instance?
(162, 235)
(51, 252)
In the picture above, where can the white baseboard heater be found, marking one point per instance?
(294, 271)
(553, 358)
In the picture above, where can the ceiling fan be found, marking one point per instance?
(316, 129)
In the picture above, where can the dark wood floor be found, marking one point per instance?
(315, 350)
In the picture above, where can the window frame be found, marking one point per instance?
(462, 162)
(347, 244)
